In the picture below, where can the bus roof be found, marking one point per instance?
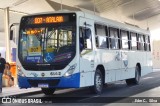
(116, 24)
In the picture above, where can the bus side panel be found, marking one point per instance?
(128, 64)
(87, 79)
(148, 66)
(133, 58)
(112, 66)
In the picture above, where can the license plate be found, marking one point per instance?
(43, 85)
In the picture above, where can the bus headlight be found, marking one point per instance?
(70, 70)
(20, 73)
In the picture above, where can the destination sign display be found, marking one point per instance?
(48, 19)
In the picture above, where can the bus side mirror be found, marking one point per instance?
(11, 34)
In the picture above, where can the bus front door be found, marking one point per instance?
(86, 52)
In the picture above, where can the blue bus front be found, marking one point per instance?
(46, 51)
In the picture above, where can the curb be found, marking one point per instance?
(23, 94)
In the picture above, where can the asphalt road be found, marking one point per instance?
(118, 93)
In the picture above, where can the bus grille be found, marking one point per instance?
(34, 83)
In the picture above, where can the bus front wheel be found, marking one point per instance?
(98, 83)
(48, 91)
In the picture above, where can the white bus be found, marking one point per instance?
(76, 49)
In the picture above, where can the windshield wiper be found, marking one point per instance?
(49, 36)
(39, 37)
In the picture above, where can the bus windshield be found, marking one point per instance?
(47, 43)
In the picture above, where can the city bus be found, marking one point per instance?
(74, 49)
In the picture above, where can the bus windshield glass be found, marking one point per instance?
(47, 39)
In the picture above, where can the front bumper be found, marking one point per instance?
(72, 81)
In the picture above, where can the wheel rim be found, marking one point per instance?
(98, 82)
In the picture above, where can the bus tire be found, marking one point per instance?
(134, 81)
(129, 81)
(98, 82)
(137, 76)
(48, 91)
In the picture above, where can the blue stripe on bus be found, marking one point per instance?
(23, 82)
(72, 81)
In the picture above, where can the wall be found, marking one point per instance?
(156, 54)
(154, 25)
(3, 51)
(2, 39)
(2, 45)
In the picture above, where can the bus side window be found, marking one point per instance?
(145, 43)
(114, 39)
(149, 45)
(142, 42)
(101, 36)
(85, 38)
(147, 39)
(138, 42)
(134, 41)
(125, 39)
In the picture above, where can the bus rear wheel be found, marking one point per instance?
(134, 81)
(48, 91)
(98, 83)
